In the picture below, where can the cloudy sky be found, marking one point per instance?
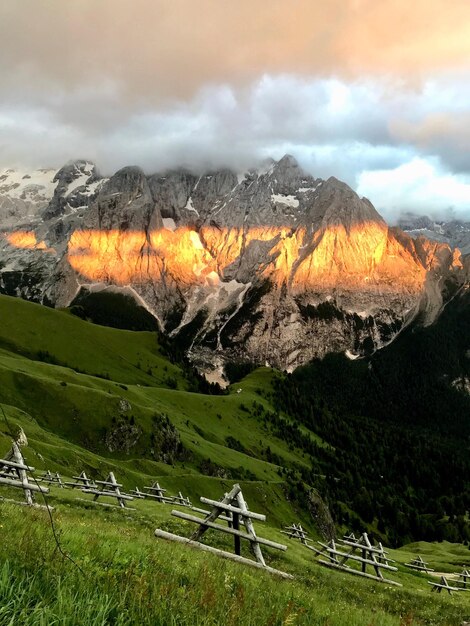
(375, 92)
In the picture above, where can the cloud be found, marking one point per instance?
(220, 125)
(156, 49)
(420, 186)
(347, 86)
(441, 133)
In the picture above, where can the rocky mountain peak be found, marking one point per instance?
(287, 174)
(338, 205)
(129, 179)
(124, 202)
(287, 162)
(76, 170)
(270, 265)
(75, 182)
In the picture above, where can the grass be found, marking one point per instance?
(81, 408)
(130, 577)
(40, 333)
(68, 384)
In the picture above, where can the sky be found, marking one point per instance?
(376, 93)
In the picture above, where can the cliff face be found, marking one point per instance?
(454, 232)
(272, 265)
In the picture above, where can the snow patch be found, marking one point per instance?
(95, 186)
(189, 206)
(232, 286)
(287, 200)
(15, 183)
(169, 223)
(240, 299)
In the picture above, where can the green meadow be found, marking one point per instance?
(98, 399)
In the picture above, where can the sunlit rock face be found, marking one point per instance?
(271, 265)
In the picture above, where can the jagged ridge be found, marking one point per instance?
(245, 260)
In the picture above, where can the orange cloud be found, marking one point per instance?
(155, 48)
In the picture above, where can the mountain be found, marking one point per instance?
(268, 266)
(399, 417)
(104, 399)
(386, 450)
(454, 232)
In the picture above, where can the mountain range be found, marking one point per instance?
(270, 266)
(455, 232)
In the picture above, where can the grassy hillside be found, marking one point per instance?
(129, 577)
(43, 334)
(75, 419)
(99, 399)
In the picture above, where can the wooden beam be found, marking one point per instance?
(353, 544)
(22, 466)
(11, 482)
(430, 582)
(214, 514)
(419, 568)
(234, 509)
(109, 494)
(136, 493)
(349, 570)
(108, 483)
(107, 504)
(226, 555)
(236, 526)
(224, 518)
(374, 558)
(354, 557)
(230, 531)
(157, 497)
(246, 520)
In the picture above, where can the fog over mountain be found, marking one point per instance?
(210, 85)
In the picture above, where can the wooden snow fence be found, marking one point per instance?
(359, 551)
(156, 492)
(442, 584)
(52, 479)
(109, 488)
(419, 565)
(233, 503)
(14, 473)
(181, 500)
(463, 580)
(227, 517)
(81, 482)
(295, 531)
(136, 493)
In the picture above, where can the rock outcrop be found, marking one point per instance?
(272, 265)
(455, 232)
